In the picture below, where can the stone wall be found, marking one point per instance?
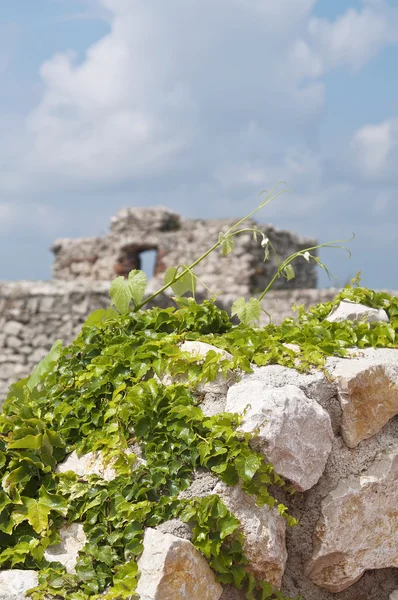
(180, 241)
(331, 433)
(33, 314)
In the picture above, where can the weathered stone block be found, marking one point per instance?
(172, 569)
(357, 530)
(292, 431)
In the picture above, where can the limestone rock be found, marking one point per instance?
(176, 527)
(67, 550)
(367, 388)
(15, 582)
(357, 530)
(351, 311)
(293, 431)
(314, 384)
(394, 595)
(264, 530)
(93, 463)
(172, 569)
(13, 328)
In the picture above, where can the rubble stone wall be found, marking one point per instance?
(181, 241)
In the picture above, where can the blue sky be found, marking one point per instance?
(199, 106)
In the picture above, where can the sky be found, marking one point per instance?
(199, 106)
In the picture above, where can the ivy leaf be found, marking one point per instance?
(137, 281)
(227, 525)
(45, 365)
(31, 442)
(99, 316)
(53, 501)
(32, 511)
(184, 284)
(247, 312)
(227, 243)
(289, 272)
(120, 294)
(247, 466)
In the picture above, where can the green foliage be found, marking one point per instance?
(45, 365)
(247, 312)
(289, 272)
(124, 291)
(227, 243)
(184, 283)
(104, 393)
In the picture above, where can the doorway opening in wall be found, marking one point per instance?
(144, 257)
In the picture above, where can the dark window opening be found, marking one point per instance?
(146, 258)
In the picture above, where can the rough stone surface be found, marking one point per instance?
(358, 527)
(213, 404)
(172, 569)
(67, 550)
(177, 528)
(264, 531)
(367, 387)
(231, 593)
(93, 463)
(292, 431)
(351, 311)
(14, 583)
(176, 241)
(394, 595)
(203, 484)
(306, 507)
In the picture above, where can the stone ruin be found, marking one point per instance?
(35, 313)
(175, 241)
(333, 434)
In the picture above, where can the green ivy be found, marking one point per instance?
(104, 392)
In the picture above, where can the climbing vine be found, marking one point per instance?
(106, 392)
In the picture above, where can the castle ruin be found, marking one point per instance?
(177, 241)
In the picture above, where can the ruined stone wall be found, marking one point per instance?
(33, 314)
(181, 241)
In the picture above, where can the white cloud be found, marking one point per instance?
(197, 104)
(167, 80)
(352, 39)
(371, 146)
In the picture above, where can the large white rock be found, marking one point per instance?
(292, 431)
(93, 463)
(314, 384)
(220, 384)
(172, 569)
(15, 582)
(264, 530)
(67, 550)
(394, 595)
(351, 311)
(367, 387)
(358, 529)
